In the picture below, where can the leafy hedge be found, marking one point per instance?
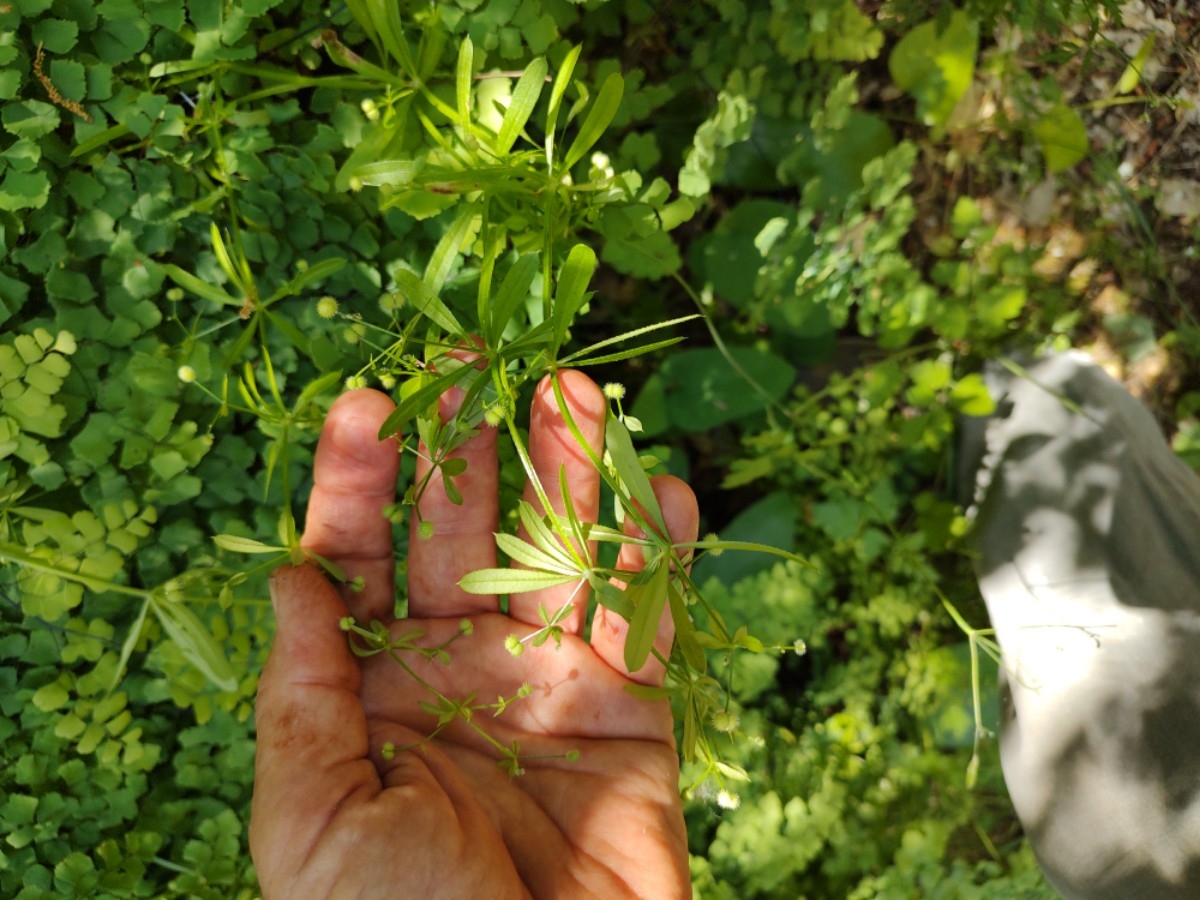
(213, 215)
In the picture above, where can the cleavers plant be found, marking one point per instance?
(515, 214)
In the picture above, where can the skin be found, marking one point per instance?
(333, 818)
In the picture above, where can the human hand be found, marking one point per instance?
(333, 816)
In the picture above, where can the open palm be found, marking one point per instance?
(595, 810)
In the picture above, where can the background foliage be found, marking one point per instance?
(863, 199)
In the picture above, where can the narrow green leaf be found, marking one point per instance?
(272, 381)
(599, 117)
(203, 289)
(382, 142)
(446, 251)
(129, 645)
(417, 401)
(526, 342)
(462, 83)
(649, 599)
(453, 494)
(426, 301)
(528, 555)
(619, 445)
(178, 66)
(744, 639)
(240, 345)
(730, 770)
(272, 457)
(580, 545)
(196, 642)
(429, 51)
(541, 535)
(513, 291)
(248, 388)
(611, 597)
(285, 527)
(620, 355)
(561, 81)
(316, 388)
(289, 330)
(222, 254)
(650, 692)
(336, 572)
(454, 466)
(96, 141)
(385, 14)
(237, 544)
(685, 631)
(520, 108)
(571, 289)
(637, 332)
(309, 276)
(749, 547)
(691, 732)
(511, 581)
(344, 56)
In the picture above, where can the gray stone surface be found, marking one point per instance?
(1088, 535)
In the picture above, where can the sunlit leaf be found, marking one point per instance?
(520, 108)
(391, 172)
(512, 581)
(238, 544)
(462, 81)
(936, 64)
(561, 80)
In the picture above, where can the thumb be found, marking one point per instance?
(312, 730)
